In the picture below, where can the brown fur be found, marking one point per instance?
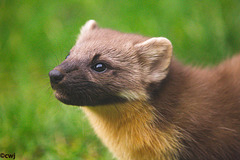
(147, 105)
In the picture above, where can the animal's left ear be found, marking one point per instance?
(89, 25)
(155, 56)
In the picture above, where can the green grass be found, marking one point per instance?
(35, 36)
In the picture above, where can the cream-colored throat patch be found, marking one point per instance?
(130, 131)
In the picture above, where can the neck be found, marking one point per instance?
(135, 130)
(166, 96)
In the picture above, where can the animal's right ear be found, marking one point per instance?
(89, 25)
(155, 56)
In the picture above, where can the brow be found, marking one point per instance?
(96, 57)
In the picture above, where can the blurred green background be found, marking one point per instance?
(35, 36)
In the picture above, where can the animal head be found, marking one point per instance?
(107, 66)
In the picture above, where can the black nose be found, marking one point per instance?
(55, 76)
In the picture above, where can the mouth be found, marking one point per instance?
(84, 100)
(62, 97)
(73, 99)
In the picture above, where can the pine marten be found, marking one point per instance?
(144, 104)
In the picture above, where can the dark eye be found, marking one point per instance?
(99, 67)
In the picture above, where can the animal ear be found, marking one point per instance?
(89, 25)
(155, 57)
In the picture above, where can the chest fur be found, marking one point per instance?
(130, 131)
